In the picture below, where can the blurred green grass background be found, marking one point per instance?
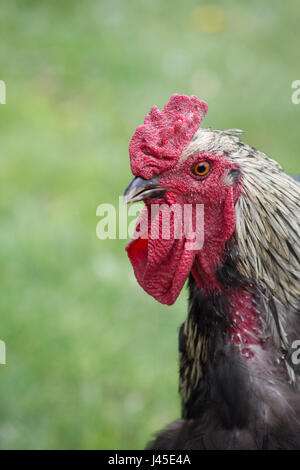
(91, 359)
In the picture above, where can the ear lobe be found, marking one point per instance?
(232, 176)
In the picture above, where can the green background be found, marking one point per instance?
(92, 359)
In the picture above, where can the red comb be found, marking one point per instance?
(157, 144)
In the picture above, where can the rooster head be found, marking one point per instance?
(175, 167)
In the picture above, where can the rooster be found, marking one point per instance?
(239, 373)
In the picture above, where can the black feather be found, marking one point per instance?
(223, 409)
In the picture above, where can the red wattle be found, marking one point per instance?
(161, 266)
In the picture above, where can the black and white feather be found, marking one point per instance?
(228, 402)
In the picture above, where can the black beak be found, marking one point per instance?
(140, 190)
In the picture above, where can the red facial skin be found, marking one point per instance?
(162, 266)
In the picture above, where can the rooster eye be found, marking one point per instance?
(201, 168)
